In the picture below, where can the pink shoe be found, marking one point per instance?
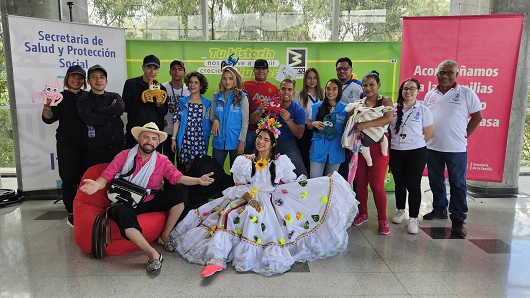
(383, 227)
(360, 219)
(210, 270)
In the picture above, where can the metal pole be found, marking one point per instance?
(70, 3)
(335, 21)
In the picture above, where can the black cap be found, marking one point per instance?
(97, 67)
(261, 63)
(178, 62)
(152, 60)
(76, 69)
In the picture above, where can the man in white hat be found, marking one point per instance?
(149, 168)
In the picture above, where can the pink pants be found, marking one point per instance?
(375, 176)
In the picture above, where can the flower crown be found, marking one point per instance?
(269, 124)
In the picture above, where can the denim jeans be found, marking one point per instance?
(289, 148)
(319, 169)
(456, 163)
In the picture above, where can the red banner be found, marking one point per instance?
(486, 49)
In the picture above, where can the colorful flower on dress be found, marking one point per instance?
(284, 191)
(263, 227)
(205, 213)
(240, 210)
(278, 202)
(302, 183)
(303, 194)
(221, 212)
(290, 235)
(212, 230)
(281, 241)
(261, 164)
(288, 218)
(269, 124)
(257, 239)
(254, 218)
(316, 217)
(324, 199)
(232, 206)
(260, 209)
(216, 208)
(299, 215)
(211, 199)
(236, 220)
(306, 225)
(253, 192)
(284, 223)
(239, 231)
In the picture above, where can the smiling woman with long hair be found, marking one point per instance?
(410, 130)
(268, 220)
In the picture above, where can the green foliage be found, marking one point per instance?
(265, 20)
(7, 149)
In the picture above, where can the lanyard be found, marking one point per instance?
(313, 99)
(347, 84)
(173, 91)
(408, 116)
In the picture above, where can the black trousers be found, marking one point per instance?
(72, 166)
(103, 155)
(407, 167)
(126, 216)
(304, 144)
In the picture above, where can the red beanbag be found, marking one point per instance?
(87, 207)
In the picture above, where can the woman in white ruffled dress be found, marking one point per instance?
(269, 220)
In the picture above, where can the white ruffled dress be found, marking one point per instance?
(300, 221)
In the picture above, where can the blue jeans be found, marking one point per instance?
(220, 156)
(250, 143)
(319, 169)
(456, 163)
(289, 148)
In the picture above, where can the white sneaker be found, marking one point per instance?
(412, 226)
(399, 217)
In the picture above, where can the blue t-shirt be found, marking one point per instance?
(298, 117)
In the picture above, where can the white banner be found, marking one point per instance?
(42, 50)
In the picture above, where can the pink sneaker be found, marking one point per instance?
(210, 270)
(383, 227)
(360, 219)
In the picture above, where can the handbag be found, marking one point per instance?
(125, 192)
(128, 193)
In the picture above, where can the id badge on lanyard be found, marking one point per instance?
(403, 135)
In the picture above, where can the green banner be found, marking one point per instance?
(206, 57)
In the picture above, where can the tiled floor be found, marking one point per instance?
(38, 258)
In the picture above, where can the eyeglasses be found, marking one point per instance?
(345, 68)
(411, 89)
(448, 73)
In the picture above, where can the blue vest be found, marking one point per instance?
(206, 124)
(230, 121)
(327, 142)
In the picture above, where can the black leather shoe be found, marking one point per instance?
(458, 229)
(433, 215)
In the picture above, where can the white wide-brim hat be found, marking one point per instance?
(150, 127)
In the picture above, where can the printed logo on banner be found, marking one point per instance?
(297, 59)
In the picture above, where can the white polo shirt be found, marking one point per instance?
(351, 92)
(410, 134)
(450, 113)
(173, 95)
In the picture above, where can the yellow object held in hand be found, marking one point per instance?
(153, 93)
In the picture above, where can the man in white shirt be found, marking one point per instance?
(175, 90)
(450, 105)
